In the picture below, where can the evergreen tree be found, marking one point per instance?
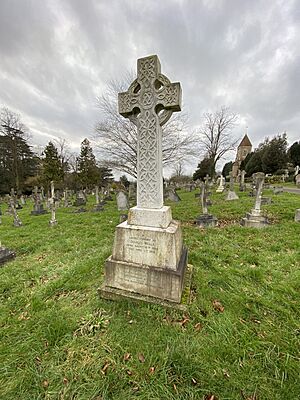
(88, 172)
(294, 154)
(227, 168)
(254, 163)
(206, 166)
(274, 157)
(52, 167)
(17, 161)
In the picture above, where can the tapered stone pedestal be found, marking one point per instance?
(147, 260)
(206, 221)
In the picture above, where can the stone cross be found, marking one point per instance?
(259, 179)
(53, 220)
(203, 198)
(149, 103)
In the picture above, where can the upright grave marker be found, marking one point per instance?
(255, 219)
(53, 220)
(148, 256)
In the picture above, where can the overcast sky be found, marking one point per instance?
(56, 57)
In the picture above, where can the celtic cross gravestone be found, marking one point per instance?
(148, 256)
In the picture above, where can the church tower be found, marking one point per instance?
(243, 150)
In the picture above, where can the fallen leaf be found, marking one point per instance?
(128, 372)
(218, 306)
(198, 327)
(210, 397)
(126, 356)
(104, 368)
(175, 388)
(141, 357)
(151, 370)
(65, 381)
(225, 373)
(38, 360)
(131, 321)
(194, 382)
(45, 383)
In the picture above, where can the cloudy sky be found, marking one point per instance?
(56, 57)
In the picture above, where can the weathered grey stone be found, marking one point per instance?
(148, 256)
(221, 186)
(255, 219)
(6, 254)
(172, 195)
(297, 215)
(122, 201)
(231, 195)
(53, 220)
(278, 190)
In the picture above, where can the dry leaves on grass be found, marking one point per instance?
(141, 357)
(217, 305)
(210, 397)
(105, 368)
(127, 356)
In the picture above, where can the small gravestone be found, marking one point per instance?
(205, 220)
(297, 215)
(17, 221)
(22, 200)
(99, 205)
(80, 199)
(231, 195)
(38, 208)
(172, 195)
(255, 219)
(242, 186)
(297, 179)
(148, 257)
(6, 254)
(122, 201)
(221, 186)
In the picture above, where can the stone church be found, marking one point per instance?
(243, 150)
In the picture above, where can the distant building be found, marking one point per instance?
(243, 150)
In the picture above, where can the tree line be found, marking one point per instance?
(22, 169)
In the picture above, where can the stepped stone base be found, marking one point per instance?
(206, 221)
(6, 255)
(148, 261)
(254, 221)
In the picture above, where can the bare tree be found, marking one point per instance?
(216, 134)
(116, 137)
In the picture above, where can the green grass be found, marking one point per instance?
(59, 340)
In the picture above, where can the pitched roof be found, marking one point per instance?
(245, 141)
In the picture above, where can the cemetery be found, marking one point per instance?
(144, 293)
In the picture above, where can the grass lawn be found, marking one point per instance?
(240, 338)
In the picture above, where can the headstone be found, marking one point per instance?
(221, 186)
(231, 195)
(122, 201)
(172, 195)
(53, 220)
(99, 205)
(255, 219)
(22, 200)
(242, 186)
(80, 199)
(38, 208)
(17, 221)
(297, 179)
(297, 215)
(148, 257)
(205, 219)
(6, 254)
